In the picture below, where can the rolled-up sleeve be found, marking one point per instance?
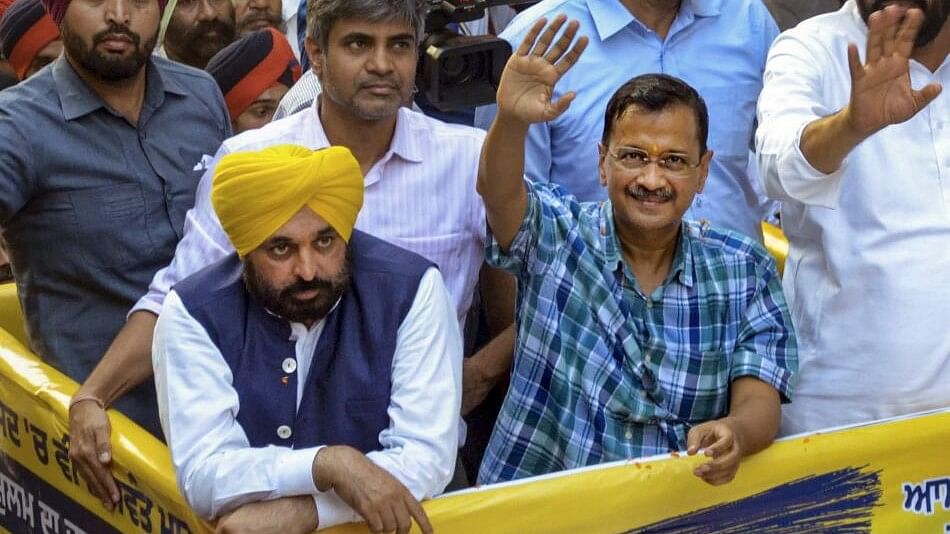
(766, 348)
(791, 99)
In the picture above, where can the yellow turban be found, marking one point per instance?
(255, 193)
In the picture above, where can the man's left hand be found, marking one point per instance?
(720, 441)
(289, 515)
(90, 450)
(375, 494)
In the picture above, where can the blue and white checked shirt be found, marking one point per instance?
(603, 372)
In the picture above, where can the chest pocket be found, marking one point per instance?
(731, 119)
(111, 225)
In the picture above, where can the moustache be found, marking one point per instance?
(300, 286)
(643, 194)
(114, 30)
(201, 30)
(389, 82)
(261, 16)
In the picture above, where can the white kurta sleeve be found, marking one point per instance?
(216, 467)
(792, 97)
(421, 442)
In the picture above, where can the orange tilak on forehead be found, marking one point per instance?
(654, 150)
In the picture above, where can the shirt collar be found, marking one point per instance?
(316, 133)
(75, 96)
(77, 99)
(852, 8)
(610, 16)
(683, 262)
(404, 144)
(702, 8)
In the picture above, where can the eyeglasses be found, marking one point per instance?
(670, 164)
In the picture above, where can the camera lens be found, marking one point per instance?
(461, 69)
(453, 69)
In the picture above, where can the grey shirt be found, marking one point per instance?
(92, 205)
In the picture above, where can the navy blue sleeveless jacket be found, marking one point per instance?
(346, 396)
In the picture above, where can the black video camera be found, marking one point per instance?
(457, 71)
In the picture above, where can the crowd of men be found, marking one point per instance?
(305, 308)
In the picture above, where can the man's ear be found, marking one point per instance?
(315, 54)
(602, 164)
(704, 169)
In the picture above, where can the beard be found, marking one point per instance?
(284, 303)
(935, 15)
(348, 92)
(103, 66)
(259, 20)
(192, 45)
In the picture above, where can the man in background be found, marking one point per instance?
(254, 73)
(196, 30)
(96, 159)
(29, 38)
(253, 15)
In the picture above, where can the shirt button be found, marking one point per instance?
(289, 365)
(284, 432)
(643, 394)
(647, 358)
(649, 303)
(628, 435)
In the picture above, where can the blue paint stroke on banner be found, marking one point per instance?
(839, 502)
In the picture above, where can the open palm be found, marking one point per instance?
(527, 83)
(881, 92)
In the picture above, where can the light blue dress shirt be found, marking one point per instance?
(717, 46)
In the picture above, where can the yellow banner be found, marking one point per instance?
(40, 490)
(890, 476)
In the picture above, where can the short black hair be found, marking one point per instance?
(653, 93)
(323, 14)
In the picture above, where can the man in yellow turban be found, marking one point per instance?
(316, 365)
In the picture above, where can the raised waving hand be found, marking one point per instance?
(527, 83)
(881, 92)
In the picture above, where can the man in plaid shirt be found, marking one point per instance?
(638, 333)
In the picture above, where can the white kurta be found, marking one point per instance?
(218, 470)
(868, 273)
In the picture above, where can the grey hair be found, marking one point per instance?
(323, 14)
